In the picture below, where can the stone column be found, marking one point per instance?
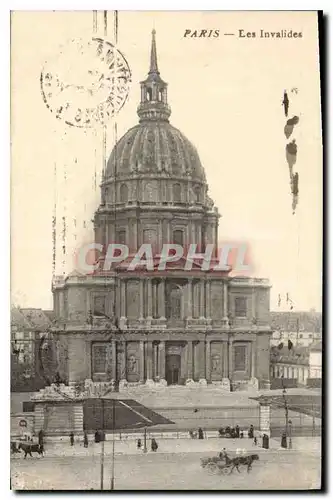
(208, 300)
(265, 419)
(189, 299)
(225, 359)
(114, 360)
(208, 360)
(122, 320)
(123, 299)
(78, 419)
(161, 364)
(190, 360)
(253, 359)
(161, 299)
(156, 364)
(141, 291)
(253, 303)
(123, 371)
(230, 367)
(202, 300)
(142, 360)
(149, 362)
(225, 303)
(149, 299)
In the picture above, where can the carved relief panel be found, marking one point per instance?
(216, 359)
(133, 361)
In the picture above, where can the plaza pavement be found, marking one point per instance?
(173, 446)
(280, 469)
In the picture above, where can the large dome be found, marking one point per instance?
(152, 147)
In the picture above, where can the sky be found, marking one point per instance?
(226, 97)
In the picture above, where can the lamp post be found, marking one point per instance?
(287, 421)
(290, 442)
(113, 441)
(145, 441)
(102, 448)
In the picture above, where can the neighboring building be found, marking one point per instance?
(290, 364)
(315, 360)
(302, 328)
(154, 327)
(28, 325)
(300, 363)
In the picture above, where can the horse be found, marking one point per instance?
(31, 448)
(245, 460)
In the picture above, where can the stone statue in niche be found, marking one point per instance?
(132, 364)
(216, 361)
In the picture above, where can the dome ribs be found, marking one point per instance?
(135, 155)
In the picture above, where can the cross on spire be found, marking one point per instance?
(153, 55)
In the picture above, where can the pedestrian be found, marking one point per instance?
(85, 440)
(71, 436)
(154, 445)
(284, 440)
(241, 434)
(237, 430)
(255, 441)
(200, 433)
(139, 444)
(97, 437)
(251, 432)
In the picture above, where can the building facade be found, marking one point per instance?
(153, 327)
(301, 328)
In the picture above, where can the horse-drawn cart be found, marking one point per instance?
(225, 465)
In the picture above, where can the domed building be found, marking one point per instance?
(152, 327)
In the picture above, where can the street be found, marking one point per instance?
(165, 471)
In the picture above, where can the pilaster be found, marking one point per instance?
(161, 351)
(114, 360)
(161, 300)
(149, 300)
(142, 360)
(208, 360)
(190, 360)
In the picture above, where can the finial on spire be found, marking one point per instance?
(153, 55)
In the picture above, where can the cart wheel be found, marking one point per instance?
(212, 468)
(225, 470)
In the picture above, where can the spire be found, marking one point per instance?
(153, 55)
(154, 102)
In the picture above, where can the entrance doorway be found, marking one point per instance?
(173, 369)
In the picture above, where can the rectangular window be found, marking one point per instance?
(99, 358)
(240, 307)
(99, 305)
(121, 238)
(240, 358)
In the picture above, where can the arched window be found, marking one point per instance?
(123, 193)
(178, 237)
(174, 304)
(177, 193)
(197, 193)
(160, 95)
(149, 95)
